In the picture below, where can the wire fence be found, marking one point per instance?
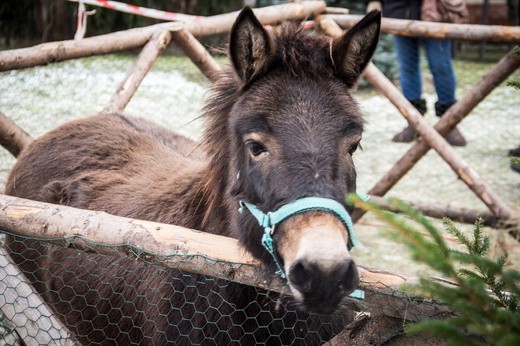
(105, 298)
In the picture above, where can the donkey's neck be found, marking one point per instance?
(192, 198)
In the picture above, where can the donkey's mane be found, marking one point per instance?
(301, 52)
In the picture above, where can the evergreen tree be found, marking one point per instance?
(486, 294)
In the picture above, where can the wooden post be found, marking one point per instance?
(428, 134)
(171, 246)
(435, 140)
(144, 62)
(503, 69)
(33, 320)
(417, 28)
(12, 137)
(46, 53)
(197, 53)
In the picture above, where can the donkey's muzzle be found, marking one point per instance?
(322, 290)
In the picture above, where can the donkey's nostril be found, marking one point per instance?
(301, 275)
(347, 275)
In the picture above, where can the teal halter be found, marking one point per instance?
(271, 219)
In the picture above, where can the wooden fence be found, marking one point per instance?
(154, 240)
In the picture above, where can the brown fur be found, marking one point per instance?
(294, 94)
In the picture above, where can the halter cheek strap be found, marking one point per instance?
(269, 220)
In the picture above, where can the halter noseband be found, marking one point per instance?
(271, 219)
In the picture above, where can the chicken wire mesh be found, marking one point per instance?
(105, 298)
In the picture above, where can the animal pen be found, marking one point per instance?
(220, 258)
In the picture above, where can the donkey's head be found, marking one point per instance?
(291, 131)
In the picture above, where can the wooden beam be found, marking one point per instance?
(46, 53)
(12, 137)
(436, 141)
(417, 28)
(33, 320)
(429, 135)
(456, 214)
(453, 116)
(51, 52)
(135, 75)
(168, 245)
(197, 53)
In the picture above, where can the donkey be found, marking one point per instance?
(281, 129)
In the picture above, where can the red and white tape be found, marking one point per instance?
(140, 11)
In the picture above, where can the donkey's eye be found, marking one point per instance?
(255, 148)
(353, 148)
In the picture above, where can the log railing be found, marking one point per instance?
(417, 28)
(33, 320)
(171, 246)
(46, 53)
(144, 62)
(12, 137)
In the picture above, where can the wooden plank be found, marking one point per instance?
(33, 320)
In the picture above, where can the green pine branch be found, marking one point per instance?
(486, 297)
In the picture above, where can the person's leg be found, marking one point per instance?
(408, 60)
(439, 61)
(438, 53)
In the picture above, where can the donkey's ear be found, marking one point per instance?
(249, 46)
(352, 52)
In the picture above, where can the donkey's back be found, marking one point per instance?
(124, 160)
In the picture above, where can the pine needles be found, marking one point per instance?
(486, 297)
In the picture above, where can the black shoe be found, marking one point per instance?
(514, 152)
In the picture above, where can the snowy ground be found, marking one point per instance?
(40, 99)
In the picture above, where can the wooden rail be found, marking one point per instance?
(140, 68)
(12, 137)
(171, 246)
(417, 28)
(46, 53)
